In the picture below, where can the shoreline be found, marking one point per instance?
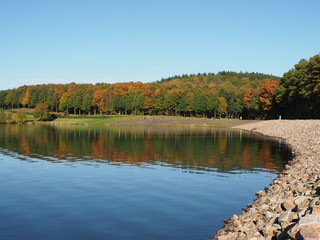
(176, 121)
(137, 121)
(290, 207)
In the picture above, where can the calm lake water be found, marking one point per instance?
(144, 183)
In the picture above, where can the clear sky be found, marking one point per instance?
(89, 41)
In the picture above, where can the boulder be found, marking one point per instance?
(288, 204)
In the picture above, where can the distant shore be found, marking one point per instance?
(115, 120)
(180, 121)
(290, 207)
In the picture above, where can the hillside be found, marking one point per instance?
(208, 95)
(225, 94)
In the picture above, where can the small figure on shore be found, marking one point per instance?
(279, 117)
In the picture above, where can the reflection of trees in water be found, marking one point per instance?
(200, 149)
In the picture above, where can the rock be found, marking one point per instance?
(290, 207)
(246, 217)
(315, 210)
(269, 215)
(288, 204)
(241, 235)
(313, 202)
(310, 223)
(295, 216)
(263, 208)
(260, 224)
(277, 226)
(237, 224)
(260, 193)
(285, 217)
(299, 200)
(308, 234)
(308, 192)
(300, 188)
(311, 219)
(228, 236)
(268, 230)
(301, 213)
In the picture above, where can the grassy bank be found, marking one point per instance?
(88, 120)
(16, 115)
(116, 120)
(179, 121)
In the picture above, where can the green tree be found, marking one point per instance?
(76, 102)
(41, 112)
(65, 102)
(171, 101)
(20, 117)
(109, 101)
(9, 117)
(298, 95)
(43, 94)
(158, 103)
(182, 106)
(33, 98)
(52, 100)
(199, 104)
(118, 104)
(12, 98)
(211, 104)
(3, 95)
(138, 103)
(86, 102)
(2, 116)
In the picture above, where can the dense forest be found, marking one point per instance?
(298, 95)
(225, 94)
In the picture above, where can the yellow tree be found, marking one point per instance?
(222, 109)
(25, 98)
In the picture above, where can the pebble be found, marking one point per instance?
(290, 207)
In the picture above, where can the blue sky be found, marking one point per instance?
(61, 41)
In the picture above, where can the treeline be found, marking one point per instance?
(225, 94)
(209, 95)
(298, 95)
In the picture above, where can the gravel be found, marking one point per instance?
(290, 206)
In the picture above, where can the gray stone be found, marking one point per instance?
(268, 230)
(269, 214)
(313, 202)
(299, 200)
(311, 219)
(260, 193)
(308, 234)
(285, 217)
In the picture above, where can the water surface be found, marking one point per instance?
(143, 183)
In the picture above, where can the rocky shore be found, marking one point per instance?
(290, 207)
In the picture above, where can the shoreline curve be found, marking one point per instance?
(290, 207)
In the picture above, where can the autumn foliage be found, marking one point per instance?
(226, 94)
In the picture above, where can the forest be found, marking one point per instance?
(225, 94)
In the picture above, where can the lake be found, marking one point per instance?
(81, 182)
